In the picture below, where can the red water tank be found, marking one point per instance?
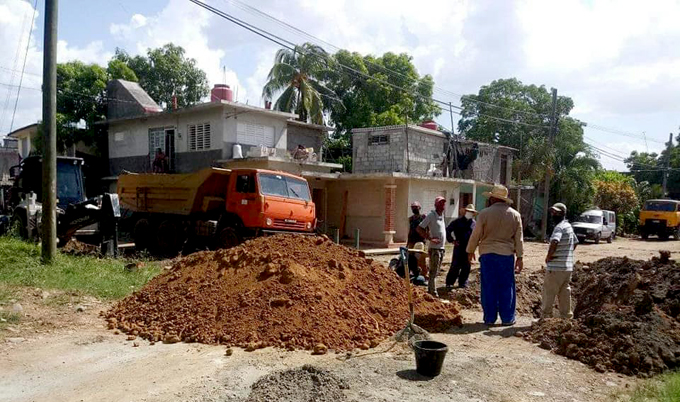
(221, 92)
(430, 124)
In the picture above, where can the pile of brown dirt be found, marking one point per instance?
(528, 288)
(294, 292)
(627, 317)
(75, 247)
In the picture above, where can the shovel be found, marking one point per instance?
(411, 332)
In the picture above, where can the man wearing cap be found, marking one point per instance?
(433, 228)
(416, 262)
(458, 232)
(498, 234)
(559, 264)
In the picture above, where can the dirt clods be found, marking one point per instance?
(627, 317)
(304, 384)
(286, 291)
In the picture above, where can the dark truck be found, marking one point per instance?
(23, 209)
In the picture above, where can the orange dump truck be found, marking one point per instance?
(216, 208)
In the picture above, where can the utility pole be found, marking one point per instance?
(668, 163)
(49, 165)
(451, 113)
(546, 189)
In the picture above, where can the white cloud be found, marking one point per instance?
(15, 22)
(93, 52)
(183, 24)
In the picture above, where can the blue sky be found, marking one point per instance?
(618, 59)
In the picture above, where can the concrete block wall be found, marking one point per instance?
(424, 150)
(377, 158)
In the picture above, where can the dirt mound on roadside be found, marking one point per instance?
(76, 247)
(304, 384)
(627, 317)
(528, 287)
(294, 292)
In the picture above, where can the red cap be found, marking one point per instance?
(439, 199)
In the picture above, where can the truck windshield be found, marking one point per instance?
(660, 206)
(283, 186)
(589, 219)
(68, 183)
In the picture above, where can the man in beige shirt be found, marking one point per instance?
(498, 234)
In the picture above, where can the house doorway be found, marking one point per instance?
(162, 140)
(319, 199)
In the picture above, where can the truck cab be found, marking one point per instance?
(661, 218)
(595, 224)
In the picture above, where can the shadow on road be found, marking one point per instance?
(412, 375)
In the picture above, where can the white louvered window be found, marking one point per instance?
(255, 134)
(199, 136)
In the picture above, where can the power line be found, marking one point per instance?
(23, 68)
(293, 47)
(14, 64)
(621, 132)
(18, 71)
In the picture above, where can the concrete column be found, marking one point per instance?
(390, 213)
(456, 204)
(474, 194)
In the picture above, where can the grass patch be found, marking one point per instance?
(102, 278)
(663, 388)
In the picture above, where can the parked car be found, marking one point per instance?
(661, 218)
(595, 224)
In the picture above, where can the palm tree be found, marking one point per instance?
(296, 75)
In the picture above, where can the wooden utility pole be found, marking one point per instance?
(668, 163)
(546, 189)
(451, 113)
(49, 116)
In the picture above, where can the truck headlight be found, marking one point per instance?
(309, 225)
(268, 222)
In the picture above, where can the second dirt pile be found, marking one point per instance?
(286, 291)
(627, 317)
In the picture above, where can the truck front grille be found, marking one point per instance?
(282, 224)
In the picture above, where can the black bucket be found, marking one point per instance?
(429, 357)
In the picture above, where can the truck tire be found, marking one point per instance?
(141, 234)
(19, 222)
(169, 238)
(597, 238)
(663, 236)
(644, 236)
(676, 234)
(228, 238)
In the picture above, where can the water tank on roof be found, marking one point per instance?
(221, 92)
(430, 124)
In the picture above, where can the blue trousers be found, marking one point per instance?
(498, 287)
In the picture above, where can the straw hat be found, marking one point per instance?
(500, 192)
(417, 248)
(471, 208)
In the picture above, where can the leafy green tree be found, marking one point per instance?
(163, 73)
(648, 167)
(393, 93)
(295, 76)
(508, 112)
(117, 69)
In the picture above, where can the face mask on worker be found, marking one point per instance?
(557, 218)
(415, 210)
(469, 215)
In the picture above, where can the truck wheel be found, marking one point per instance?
(663, 236)
(18, 223)
(644, 236)
(169, 238)
(610, 238)
(676, 234)
(141, 234)
(597, 238)
(228, 238)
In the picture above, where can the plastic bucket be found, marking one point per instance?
(429, 357)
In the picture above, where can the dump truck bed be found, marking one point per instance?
(180, 194)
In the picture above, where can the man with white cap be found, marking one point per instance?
(498, 234)
(559, 264)
(433, 228)
(458, 232)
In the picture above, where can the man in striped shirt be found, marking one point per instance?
(559, 264)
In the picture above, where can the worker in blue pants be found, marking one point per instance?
(498, 287)
(498, 234)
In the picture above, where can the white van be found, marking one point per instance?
(595, 224)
